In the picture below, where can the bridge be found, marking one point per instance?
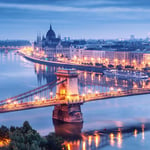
(64, 95)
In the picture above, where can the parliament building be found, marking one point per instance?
(53, 45)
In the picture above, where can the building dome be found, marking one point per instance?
(50, 34)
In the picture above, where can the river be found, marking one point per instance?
(17, 75)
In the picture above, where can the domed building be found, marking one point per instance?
(52, 45)
(50, 34)
(51, 38)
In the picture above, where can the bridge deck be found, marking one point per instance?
(82, 99)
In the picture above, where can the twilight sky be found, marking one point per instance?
(96, 19)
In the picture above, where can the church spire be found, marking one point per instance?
(50, 27)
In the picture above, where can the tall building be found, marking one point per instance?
(53, 45)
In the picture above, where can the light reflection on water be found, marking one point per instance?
(18, 75)
(114, 138)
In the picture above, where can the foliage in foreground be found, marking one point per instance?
(26, 138)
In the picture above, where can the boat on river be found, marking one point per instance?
(126, 74)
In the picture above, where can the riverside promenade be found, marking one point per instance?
(63, 64)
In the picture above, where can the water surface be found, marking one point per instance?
(17, 75)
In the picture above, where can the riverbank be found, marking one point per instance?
(63, 64)
(25, 137)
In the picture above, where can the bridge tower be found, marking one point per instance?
(68, 91)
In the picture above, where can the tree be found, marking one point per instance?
(110, 66)
(26, 138)
(26, 127)
(4, 133)
(129, 67)
(54, 142)
(119, 67)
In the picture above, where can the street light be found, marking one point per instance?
(96, 92)
(89, 91)
(85, 58)
(36, 98)
(83, 95)
(43, 99)
(9, 100)
(111, 88)
(119, 90)
(15, 102)
(51, 94)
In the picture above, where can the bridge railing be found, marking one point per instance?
(25, 95)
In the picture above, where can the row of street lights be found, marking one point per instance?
(107, 61)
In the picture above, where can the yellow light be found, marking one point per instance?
(15, 102)
(112, 141)
(99, 59)
(9, 100)
(4, 142)
(135, 86)
(43, 98)
(134, 61)
(90, 140)
(115, 60)
(143, 135)
(68, 146)
(111, 88)
(123, 61)
(83, 95)
(89, 91)
(92, 59)
(36, 97)
(119, 139)
(75, 57)
(97, 140)
(135, 133)
(84, 145)
(96, 92)
(119, 90)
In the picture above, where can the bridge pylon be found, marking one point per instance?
(68, 91)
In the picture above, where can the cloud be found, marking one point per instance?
(55, 8)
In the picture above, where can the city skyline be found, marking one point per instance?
(107, 19)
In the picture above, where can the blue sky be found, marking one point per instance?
(90, 19)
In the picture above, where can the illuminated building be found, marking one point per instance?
(53, 45)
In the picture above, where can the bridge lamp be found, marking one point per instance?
(89, 91)
(36, 98)
(51, 94)
(96, 92)
(9, 100)
(83, 95)
(43, 99)
(135, 86)
(15, 102)
(119, 90)
(68, 97)
(111, 88)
